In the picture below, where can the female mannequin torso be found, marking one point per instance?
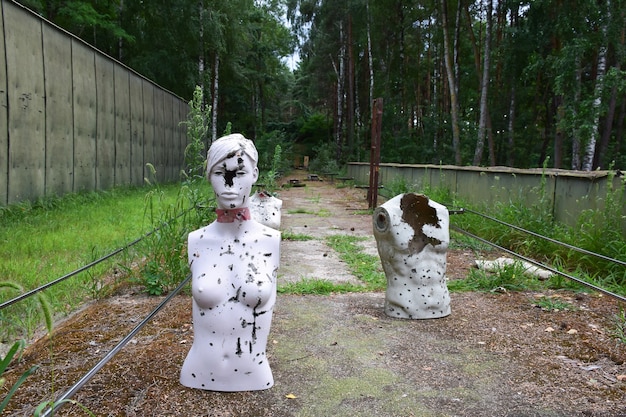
(234, 268)
(234, 263)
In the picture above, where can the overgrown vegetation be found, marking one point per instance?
(165, 253)
(17, 348)
(42, 241)
(618, 330)
(597, 231)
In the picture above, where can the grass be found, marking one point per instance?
(43, 241)
(323, 212)
(553, 304)
(317, 286)
(289, 235)
(364, 267)
(618, 330)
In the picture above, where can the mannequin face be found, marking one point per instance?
(232, 180)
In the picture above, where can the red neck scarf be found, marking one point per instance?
(230, 215)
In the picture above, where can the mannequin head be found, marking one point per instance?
(232, 170)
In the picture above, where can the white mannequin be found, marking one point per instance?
(412, 235)
(234, 263)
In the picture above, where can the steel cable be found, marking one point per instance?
(581, 250)
(61, 400)
(539, 264)
(84, 267)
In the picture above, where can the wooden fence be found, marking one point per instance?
(74, 119)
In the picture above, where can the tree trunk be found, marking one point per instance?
(339, 72)
(558, 135)
(474, 41)
(510, 158)
(590, 149)
(370, 59)
(452, 84)
(482, 125)
(576, 135)
(510, 155)
(619, 131)
(216, 85)
(490, 140)
(600, 160)
(606, 132)
(457, 47)
(350, 96)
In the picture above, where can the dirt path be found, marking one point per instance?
(495, 355)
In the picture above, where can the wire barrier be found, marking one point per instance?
(63, 399)
(534, 262)
(86, 267)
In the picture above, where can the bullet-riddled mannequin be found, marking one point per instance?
(234, 263)
(412, 236)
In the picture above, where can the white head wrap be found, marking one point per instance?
(227, 146)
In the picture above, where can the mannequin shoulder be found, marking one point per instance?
(205, 232)
(268, 232)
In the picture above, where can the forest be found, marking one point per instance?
(521, 83)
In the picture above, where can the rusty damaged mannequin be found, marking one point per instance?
(234, 263)
(412, 235)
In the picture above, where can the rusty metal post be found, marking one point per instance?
(377, 117)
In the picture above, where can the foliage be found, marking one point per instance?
(165, 249)
(71, 231)
(323, 212)
(553, 304)
(96, 22)
(316, 286)
(39, 410)
(4, 363)
(288, 235)
(398, 185)
(325, 160)
(549, 96)
(197, 129)
(19, 346)
(363, 266)
(166, 258)
(599, 231)
(275, 153)
(619, 326)
(505, 278)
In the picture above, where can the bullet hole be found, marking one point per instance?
(229, 175)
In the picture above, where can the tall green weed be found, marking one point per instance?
(165, 251)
